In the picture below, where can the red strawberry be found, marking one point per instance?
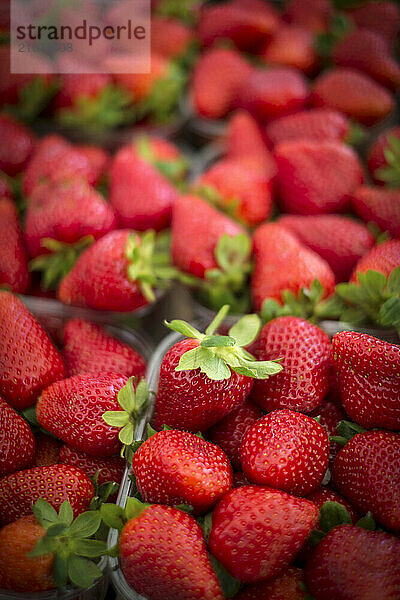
(105, 276)
(305, 352)
(14, 272)
(79, 88)
(273, 92)
(17, 144)
(341, 241)
(177, 467)
(367, 51)
(377, 160)
(196, 229)
(286, 450)
(324, 494)
(383, 258)
(330, 415)
(28, 360)
(246, 22)
(256, 531)
(244, 139)
(47, 450)
(367, 473)
(5, 189)
(72, 410)
(164, 155)
(314, 15)
(291, 46)
(108, 469)
(241, 186)
(18, 571)
(164, 556)
(353, 93)
(66, 211)
(98, 158)
(140, 85)
(292, 270)
(382, 17)
(141, 196)
(89, 349)
(170, 37)
(17, 444)
(319, 124)
(380, 205)
(229, 431)
(54, 484)
(316, 177)
(217, 77)
(55, 159)
(287, 586)
(351, 562)
(204, 378)
(370, 395)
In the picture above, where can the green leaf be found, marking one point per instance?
(356, 316)
(258, 369)
(217, 320)
(246, 330)
(389, 313)
(134, 508)
(315, 537)
(232, 251)
(375, 281)
(90, 548)
(393, 282)
(348, 430)
(332, 514)
(126, 434)
(367, 522)
(113, 551)
(350, 292)
(82, 572)
(44, 546)
(56, 530)
(116, 418)
(206, 524)
(85, 524)
(230, 586)
(141, 395)
(112, 515)
(45, 514)
(270, 310)
(184, 329)
(216, 341)
(126, 396)
(60, 571)
(192, 359)
(215, 368)
(66, 514)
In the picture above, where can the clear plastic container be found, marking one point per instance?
(122, 588)
(387, 335)
(53, 315)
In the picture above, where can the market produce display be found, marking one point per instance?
(255, 453)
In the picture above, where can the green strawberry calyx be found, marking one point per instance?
(115, 517)
(346, 430)
(33, 98)
(59, 262)
(132, 402)
(173, 169)
(229, 205)
(71, 541)
(307, 304)
(184, 10)
(216, 355)
(390, 173)
(149, 263)
(162, 101)
(333, 514)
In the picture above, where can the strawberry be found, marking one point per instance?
(351, 562)
(369, 395)
(270, 93)
(241, 186)
(197, 388)
(305, 352)
(291, 46)
(28, 360)
(47, 450)
(246, 22)
(72, 410)
(55, 159)
(319, 124)
(162, 154)
(115, 273)
(382, 17)
(257, 531)
(170, 37)
(217, 77)
(384, 258)
(287, 586)
(239, 479)
(14, 272)
(5, 189)
(324, 494)
(98, 158)
(177, 467)
(274, 271)
(107, 469)
(285, 450)
(229, 431)
(89, 349)
(353, 93)
(316, 177)
(244, 139)
(339, 240)
(367, 470)
(17, 444)
(367, 51)
(17, 145)
(164, 556)
(18, 571)
(383, 158)
(141, 196)
(54, 484)
(313, 15)
(379, 205)
(329, 416)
